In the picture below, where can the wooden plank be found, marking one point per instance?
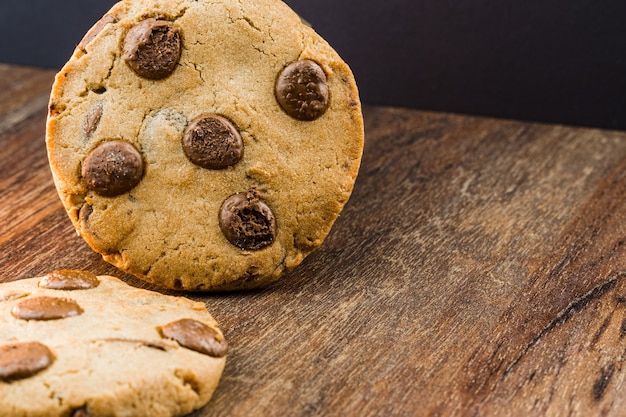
(479, 269)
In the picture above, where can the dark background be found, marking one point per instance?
(544, 60)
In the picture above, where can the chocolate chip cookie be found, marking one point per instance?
(64, 351)
(204, 145)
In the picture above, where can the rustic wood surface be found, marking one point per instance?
(478, 270)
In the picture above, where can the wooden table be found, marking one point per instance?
(478, 270)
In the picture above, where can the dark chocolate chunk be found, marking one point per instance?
(113, 168)
(46, 308)
(212, 142)
(302, 90)
(152, 48)
(197, 336)
(69, 280)
(95, 30)
(23, 360)
(247, 222)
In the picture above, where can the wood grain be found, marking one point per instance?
(478, 270)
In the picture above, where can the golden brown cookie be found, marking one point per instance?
(204, 145)
(73, 344)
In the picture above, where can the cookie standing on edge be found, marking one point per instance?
(204, 145)
(73, 344)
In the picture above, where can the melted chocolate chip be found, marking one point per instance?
(93, 120)
(85, 212)
(197, 336)
(23, 360)
(212, 142)
(302, 90)
(81, 412)
(69, 280)
(46, 308)
(113, 168)
(95, 30)
(247, 222)
(146, 343)
(152, 48)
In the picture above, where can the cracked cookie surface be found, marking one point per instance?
(168, 109)
(129, 351)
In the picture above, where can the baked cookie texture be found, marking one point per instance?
(65, 352)
(232, 138)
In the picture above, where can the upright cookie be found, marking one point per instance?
(73, 344)
(204, 145)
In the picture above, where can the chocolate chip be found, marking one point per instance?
(212, 142)
(81, 412)
(93, 120)
(197, 336)
(46, 308)
(247, 222)
(152, 48)
(69, 280)
(95, 30)
(113, 168)
(85, 212)
(302, 90)
(23, 360)
(146, 343)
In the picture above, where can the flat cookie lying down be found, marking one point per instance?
(76, 345)
(204, 145)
